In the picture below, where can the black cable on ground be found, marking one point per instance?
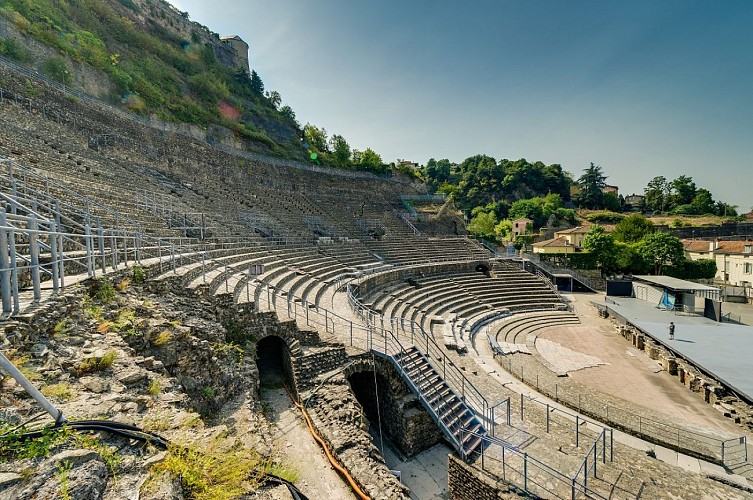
(132, 432)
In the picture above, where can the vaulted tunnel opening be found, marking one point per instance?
(366, 389)
(390, 407)
(273, 362)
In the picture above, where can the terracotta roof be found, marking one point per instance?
(584, 229)
(734, 246)
(554, 242)
(696, 245)
(575, 230)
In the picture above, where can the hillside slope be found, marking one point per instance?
(149, 58)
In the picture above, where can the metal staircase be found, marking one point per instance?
(457, 421)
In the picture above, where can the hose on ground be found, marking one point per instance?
(356, 488)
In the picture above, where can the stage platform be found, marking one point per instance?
(722, 349)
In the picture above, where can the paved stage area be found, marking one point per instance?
(722, 349)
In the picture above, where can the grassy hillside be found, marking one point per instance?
(148, 57)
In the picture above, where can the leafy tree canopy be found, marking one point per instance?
(479, 180)
(632, 229)
(601, 244)
(483, 224)
(591, 185)
(661, 249)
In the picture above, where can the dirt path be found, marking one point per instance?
(295, 445)
(626, 376)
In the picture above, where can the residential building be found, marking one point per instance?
(734, 259)
(567, 241)
(634, 201)
(520, 226)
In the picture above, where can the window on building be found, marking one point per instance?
(748, 268)
(748, 248)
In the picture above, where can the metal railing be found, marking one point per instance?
(383, 342)
(683, 440)
(410, 225)
(511, 465)
(436, 355)
(537, 262)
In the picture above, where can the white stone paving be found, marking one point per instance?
(565, 360)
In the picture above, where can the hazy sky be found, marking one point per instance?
(642, 88)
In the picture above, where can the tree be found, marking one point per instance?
(257, 86)
(601, 245)
(288, 113)
(531, 209)
(656, 192)
(683, 192)
(661, 249)
(370, 160)
(703, 203)
(484, 224)
(503, 229)
(275, 99)
(632, 229)
(726, 210)
(591, 184)
(437, 172)
(611, 202)
(316, 138)
(340, 150)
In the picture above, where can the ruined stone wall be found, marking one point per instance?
(466, 482)
(173, 146)
(695, 380)
(404, 420)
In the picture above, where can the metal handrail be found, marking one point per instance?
(480, 404)
(571, 484)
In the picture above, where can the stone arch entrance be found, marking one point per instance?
(273, 362)
(404, 422)
(367, 390)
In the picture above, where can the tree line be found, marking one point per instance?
(635, 246)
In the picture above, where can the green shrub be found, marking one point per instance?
(693, 269)
(138, 274)
(154, 387)
(211, 471)
(10, 48)
(96, 364)
(14, 447)
(57, 69)
(62, 391)
(105, 292)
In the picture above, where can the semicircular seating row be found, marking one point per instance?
(454, 306)
(517, 333)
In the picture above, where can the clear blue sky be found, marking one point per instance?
(642, 88)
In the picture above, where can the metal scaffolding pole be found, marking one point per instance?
(34, 251)
(9, 368)
(101, 238)
(4, 264)
(89, 250)
(13, 271)
(54, 256)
